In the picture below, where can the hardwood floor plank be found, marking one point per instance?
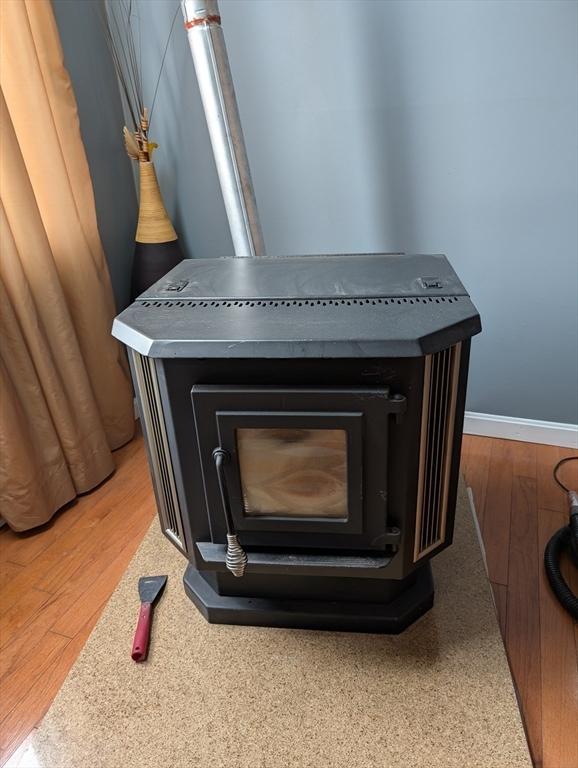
(464, 459)
(550, 496)
(81, 610)
(497, 510)
(523, 639)
(23, 677)
(476, 452)
(23, 548)
(30, 636)
(82, 564)
(20, 612)
(568, 475)
(525, 459)
(501, 602)
(8, 571)
(559, 667)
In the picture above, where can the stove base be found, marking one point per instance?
(390, 617)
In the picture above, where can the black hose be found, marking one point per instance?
(564, 539)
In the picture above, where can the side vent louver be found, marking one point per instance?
(160, 457)
(440, 388)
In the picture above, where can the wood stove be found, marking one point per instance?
(303, 420)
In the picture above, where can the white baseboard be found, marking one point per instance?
(526, 430)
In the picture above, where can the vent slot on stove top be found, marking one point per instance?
(292, 303)
(160, 457)
(441, 373)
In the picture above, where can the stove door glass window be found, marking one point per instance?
(299, 473)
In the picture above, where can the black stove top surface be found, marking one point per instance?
(359, 305)
(310, 277)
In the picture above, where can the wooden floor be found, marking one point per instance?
(519, 507)
(54, 584)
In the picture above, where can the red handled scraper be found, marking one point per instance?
(149, 590)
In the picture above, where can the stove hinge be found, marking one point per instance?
(397, 406)
(391, 538)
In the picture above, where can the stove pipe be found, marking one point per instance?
(203, 25)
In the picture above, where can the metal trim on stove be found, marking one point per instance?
(362, 412)
(351, 423)
(214, 558)
(440, 390)
(159, 455)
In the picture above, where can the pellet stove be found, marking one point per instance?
(303, 419)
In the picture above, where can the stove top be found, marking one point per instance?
(363, 305)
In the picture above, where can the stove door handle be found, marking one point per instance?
(236, 557)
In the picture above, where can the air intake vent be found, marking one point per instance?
(159, 454)
(294, 303)
(437, 429)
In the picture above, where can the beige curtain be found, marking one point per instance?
(66, 398)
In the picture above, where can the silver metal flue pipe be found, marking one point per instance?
(203, 25)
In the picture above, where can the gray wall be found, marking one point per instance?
(422, 126)
(101, 119)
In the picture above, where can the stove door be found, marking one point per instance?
(299, 467)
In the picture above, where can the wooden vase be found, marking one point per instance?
(157, 247)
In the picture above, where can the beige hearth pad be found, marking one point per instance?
(438, 696)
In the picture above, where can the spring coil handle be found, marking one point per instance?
(236, 557)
